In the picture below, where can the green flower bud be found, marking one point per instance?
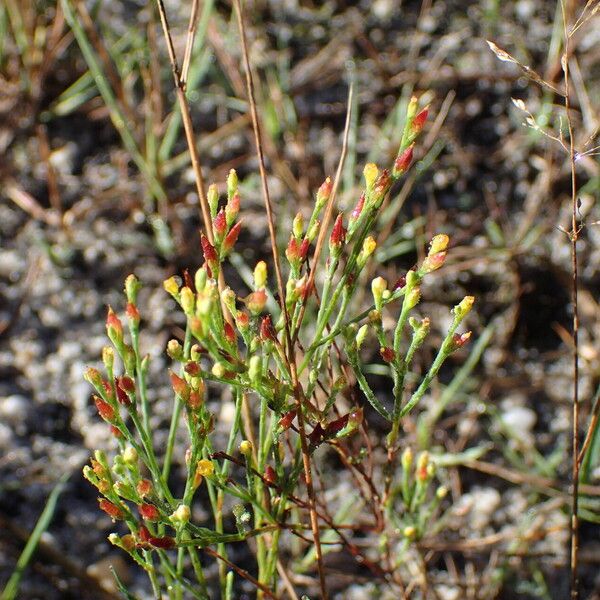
(132, 287)
(370, 173)
(130, 456)
(175, 350)
(108, 358)
(213, 199)
(298, 226)
(361, 335)
(232, 183)
(441, 492)
(200, 279)
(255, 368)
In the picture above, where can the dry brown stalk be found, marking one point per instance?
(187, 123)
(298, 392)
(573, 237)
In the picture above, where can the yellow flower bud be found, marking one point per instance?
(462, 309)
(260, 275)
(171, 286)
(370, 172)
(205, 467)
(439, 243)
(187, 300)
(246, 447)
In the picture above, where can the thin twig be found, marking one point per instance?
(261, 160)
(187, 123)
(191, 142)
(298, 392)
(573, 235)
(189, 45)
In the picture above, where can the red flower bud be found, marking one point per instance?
(192, 368)
(232, 208)
(357, 209)
(382, 186)
(144, 487)
(112, 510)
(149, 512)
(122, 396)
(459, 340)
(219, 225)
(210, 254)
(338, 235)
(324, 192)
(114, 328)
(195, 400)
(387, 354)
(105, 410)
(116, 431)
(270, 475)
(419, 121)
(164, 543)
(296, 252)
(229, 333)
(403, 161)
(108, 391)
(304, 246)
(144, 534)
(231, 238)
(267, 331)
(242, 320)
(433, 262)
(127, 384)
(180, 387)
(256, 301)
(292, 251)
(132, 314)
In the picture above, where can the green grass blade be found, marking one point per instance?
(110, 100)
(12, 587)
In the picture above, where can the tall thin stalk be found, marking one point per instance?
(187, 119)
(298, 392)
(573, 237)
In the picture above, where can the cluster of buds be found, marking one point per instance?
(437, 254)
(419, 501)
(237, 342)
(225, 230)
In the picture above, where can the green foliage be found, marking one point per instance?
(295, 366)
